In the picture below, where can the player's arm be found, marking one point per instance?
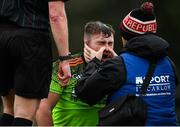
(43, 115)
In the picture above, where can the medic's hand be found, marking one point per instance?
(89, 53)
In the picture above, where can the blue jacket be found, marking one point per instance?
(160, 95)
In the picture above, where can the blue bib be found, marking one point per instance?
(160, 95)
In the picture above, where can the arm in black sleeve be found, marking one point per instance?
(99, 80)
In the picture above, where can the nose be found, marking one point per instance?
(106, 47)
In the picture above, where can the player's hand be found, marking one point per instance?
(64, 72)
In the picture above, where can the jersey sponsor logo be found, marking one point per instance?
(76, 76)
(159, 85)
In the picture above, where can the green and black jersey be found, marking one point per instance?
(70, 111)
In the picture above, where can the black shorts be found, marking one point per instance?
(26, 61)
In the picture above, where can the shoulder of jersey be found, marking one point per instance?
(76, 61)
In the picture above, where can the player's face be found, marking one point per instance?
(98, 41)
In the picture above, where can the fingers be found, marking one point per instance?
(86, 48)
(89, 50)
(89, 53)
(63, 80)
(100, 53)
(86, 57)
(113, 52)
(64, 73)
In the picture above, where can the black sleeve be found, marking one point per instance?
(99, 80)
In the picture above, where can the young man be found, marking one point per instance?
(124, 74)
(69, 110)
(25, 50)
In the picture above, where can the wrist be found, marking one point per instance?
(96, 60)
(64, 57)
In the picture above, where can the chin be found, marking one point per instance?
(104, 59)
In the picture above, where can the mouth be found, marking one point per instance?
(106, 55)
